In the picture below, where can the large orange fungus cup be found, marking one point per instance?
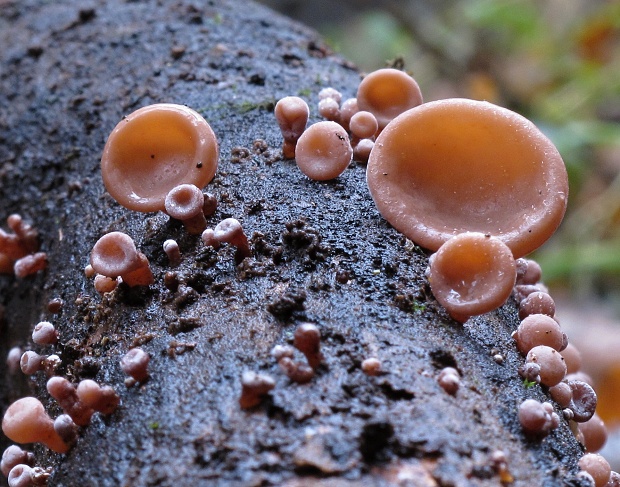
(155, 149)
(457, 165)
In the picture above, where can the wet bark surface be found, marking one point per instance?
(322, 254)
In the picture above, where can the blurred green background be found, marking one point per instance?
(555, 61)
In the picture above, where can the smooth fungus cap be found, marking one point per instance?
(323, 151)
(457, 165)
(155, 149)
(472, 274)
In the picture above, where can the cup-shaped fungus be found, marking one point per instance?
(292, 116)
(456, 165)
(44, 333)
(25, 421)
(66, 395)
(135, 364)
(115, 254)
(386, 93)
(253, 388)
(185, 202)
(231, 232)
(472, 274)
(155, 149)
(552, 366)
(538, 329)
(363, 125)
(102, 399)
(323, 151)
(14, 455)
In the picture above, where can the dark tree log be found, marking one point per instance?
(322, 254)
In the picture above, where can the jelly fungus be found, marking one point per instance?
(537, 303)
(186, 203)
(537, 419)
(14, 455)
(208, 238)
(231, 232)
(456, 165)
(347, 110)
(387, 93)
(323, 151)
(361, 152)
(296, 371)
(155, 149)
(371, 366)
(597, 466)
(66, 428)
(562, 394)
(472, 274)
(44, 333)
(21, 476)
(115, 254)
(31, 362)
(210, 204)
(253, 388)
(104, 284)
(13, 358)
(363, 125)
(25, 421)
(583, 403)
(552, 366)
(594, 433)
(30, 264)
(171, 249)
(102, 399)
(65, 394)
(449, 380)
(538, 329)
(572, 357)
(330, 92)
(329, 109)
(135, 364)
(307, 340)
(528, 271)
(292, 116)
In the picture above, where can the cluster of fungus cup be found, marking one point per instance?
(115, 255)
(307, 339)
(155, 149)
(18, 250)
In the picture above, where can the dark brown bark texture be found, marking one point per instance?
(321, 254)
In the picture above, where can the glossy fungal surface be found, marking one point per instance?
(457, 165)
(387, 93)
(155, 149)
(323, 151)
(472, 274)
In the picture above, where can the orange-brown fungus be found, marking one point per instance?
(155, 149)
(386, 93)
(457, 165)
(115, 254)
(472, 274)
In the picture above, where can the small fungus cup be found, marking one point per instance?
(323, 151)
(472, 274)
(155, 149)
(456, 165)
(386, 93)
(115, 254)
(292, 116)
(185, 203)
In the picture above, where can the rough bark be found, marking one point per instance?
(322, 254)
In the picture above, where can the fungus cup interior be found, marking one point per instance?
(155, 149)
(458, 165)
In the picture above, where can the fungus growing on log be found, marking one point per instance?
(186, 203)
(472, 274)
(115, 254)
(14, 455)
(25, 421)
(155, 149)
(253, 388)
(323, 151)
(386, 93)
(231, 232)
(456, 165)
(292, 116)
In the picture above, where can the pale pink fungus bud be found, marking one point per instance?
(307, 340)
(329, 109)
(102, 399)
(330, 92)
(296, 371)
(387, 93)
(562, 394)
(26, 234)
(452, 166)
(371, 366)
(363, 125)
(614, 480)
(552, 366)
(528, 271)
(171, 248)
(31, 362)
(210, 204)
(13, 359)
(208, 238)
(472, 274)
(572, 357)
(361, 152)
(25, 421)
(537, 419)
(65, 394)
(537, 303)
(280, 351)
(231, 232)
(597, 466)
(323, 151)
(292, 116)
(21, 476)
(89, 271)
(115, 254)
(44, 333)
(104, 284)
(14, 455)
(66, 429)
(186, 202)
(449, 380)
(538, 329)
(50, 364)
(135, 364)
(30, 264)
(253, 388)
(155, 149)
(530, 372)
(594, 433)
(583, 403)
(347, 110)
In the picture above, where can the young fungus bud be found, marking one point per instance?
(307, 340)
(44, 333)
(253, 388)
(14, 455)
(292, 116)
(135, 364)
(323, 151)
(115, 254)
(186, 203)
(231, 232)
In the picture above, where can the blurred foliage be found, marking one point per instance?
(557, 63)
